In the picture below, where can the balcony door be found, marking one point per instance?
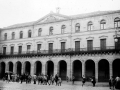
(50, 47)
(12, 49)
(4, 50)
(77, 45)
(20, 49)
(89, 45)
(28, 48)
(38, 47)
(62, 46)
(103, 44)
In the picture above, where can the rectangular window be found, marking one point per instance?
(4, 50)
(77, 45)
(89, 45)
(103, 44)
(20, 49)
(62, 46)
(28, 48)
(50, 47)
(102, 26)
(38, 47)
(12, 49)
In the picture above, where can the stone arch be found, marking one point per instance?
(27, 68)
(62, 69)
(2, 69)
(116, 66)
(18, 67)
(90, 69)
(38, 68)
(103, 70)
(10, 66)
(77, 69)
(50, 68)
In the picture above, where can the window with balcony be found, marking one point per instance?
(29, 34)
(21, 34)
(77, 27)
(28, 48)
(90, 26)
(13, 35)
(12, 50)
(117, 22)
(103, 44)
(102, 24)
(63, 29)
(50, 47)
(77, 45)
(4, 50)
(38, 47)
(62, 46)
(39, 31)
(51, 31)
(5, 36)
(89, 45)
(20, 49)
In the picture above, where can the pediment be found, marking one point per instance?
(52, 17)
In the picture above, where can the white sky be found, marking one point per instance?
(21, 11)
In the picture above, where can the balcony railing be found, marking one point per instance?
(65, 51)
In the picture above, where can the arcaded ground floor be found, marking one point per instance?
(100, 66)
(64, 86)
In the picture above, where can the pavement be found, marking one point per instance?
(65, 86)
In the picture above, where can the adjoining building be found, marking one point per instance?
(85, 44)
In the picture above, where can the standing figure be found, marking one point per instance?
(111, 82)
(73, 79)
(83, 80)
(117, 84)
(93, 80)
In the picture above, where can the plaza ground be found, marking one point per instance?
(65, 86)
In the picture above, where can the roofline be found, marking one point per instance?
(68, 18)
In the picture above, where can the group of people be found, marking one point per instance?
(114, 83)
(41, 79)
(93, 80)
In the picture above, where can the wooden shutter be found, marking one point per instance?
(89, 45)
(62, 46)
(12, 50)
(77, 45)
(103, 44)
(50, 47)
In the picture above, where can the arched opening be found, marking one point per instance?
(62, 69)
(38, 68)
(116, 66)
(18, 68)
(27, 67)
(90, 69)
(2, 71)
(103, 70)
(50, 68)
(77, 69)
(10, 64)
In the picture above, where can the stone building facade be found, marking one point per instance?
(85, 44)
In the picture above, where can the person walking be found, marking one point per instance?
(83, 80)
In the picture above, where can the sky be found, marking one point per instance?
(22, 11)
